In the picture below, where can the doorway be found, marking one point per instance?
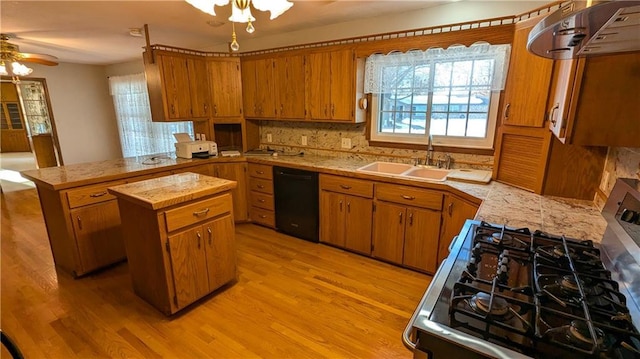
(30, 99)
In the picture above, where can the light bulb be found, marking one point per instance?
(3, 69)
(250, 28)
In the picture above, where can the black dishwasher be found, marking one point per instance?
(296, 202)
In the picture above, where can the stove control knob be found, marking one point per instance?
(503, 274)
(504, 261)
(477, 250)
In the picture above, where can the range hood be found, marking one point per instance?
(583, 28)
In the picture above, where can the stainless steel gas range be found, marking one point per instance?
(518, 293)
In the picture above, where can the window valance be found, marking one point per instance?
(383, 73)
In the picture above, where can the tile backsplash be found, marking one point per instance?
(622, 162)
(326, 139)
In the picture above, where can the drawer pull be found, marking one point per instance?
(260, 186)
(99, 194)
(261, 200)
(408, 198)
(201, 213)
(260, 172)
(263, 216)
(344, 186)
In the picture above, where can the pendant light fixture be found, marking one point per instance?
(241, 12)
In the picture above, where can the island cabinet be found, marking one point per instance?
(179, 235)
(346, 212)
(178, 86)
(261, 202)
(595, 101)
(406, 226)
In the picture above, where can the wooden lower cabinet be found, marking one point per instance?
(406, 228)
(235, 172)
(346, 221)
(346, 212)
(406, 235)
(202, 259)
(98, 235)
(455, 212)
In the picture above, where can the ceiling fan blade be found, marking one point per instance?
(39, 59)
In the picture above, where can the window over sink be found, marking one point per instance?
(451, 94)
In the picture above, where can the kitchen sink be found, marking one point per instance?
(432, 174)
(389, 168)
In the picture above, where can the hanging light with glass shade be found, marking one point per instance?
(241, 12)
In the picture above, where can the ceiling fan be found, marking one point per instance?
(11, 59)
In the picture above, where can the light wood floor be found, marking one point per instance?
(293, 299)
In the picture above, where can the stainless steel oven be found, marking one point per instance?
(520, 293)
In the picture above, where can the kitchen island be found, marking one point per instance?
(179, 237)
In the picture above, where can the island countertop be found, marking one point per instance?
(162, 192)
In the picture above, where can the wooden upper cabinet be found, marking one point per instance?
(318, 92)
(199, 88)
(331, 78)
(290, 81)
(528, 81)
(225, 86)
(178, 86)
(595, 101)
(258, 86)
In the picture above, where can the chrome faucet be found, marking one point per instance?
(429, 159)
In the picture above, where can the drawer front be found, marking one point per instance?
(263, 216)
(91, 194)
(261, 200)
(346, 185)
(260, 185)
(409, 195)
(261, 171)
(197, 212)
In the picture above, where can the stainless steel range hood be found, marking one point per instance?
(583, 28)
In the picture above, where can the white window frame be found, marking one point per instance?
(374, 84)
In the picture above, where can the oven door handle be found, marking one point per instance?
(406, 335)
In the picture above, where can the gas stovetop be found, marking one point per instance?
(540, 295)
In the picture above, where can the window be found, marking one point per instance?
(450, 94)
(138, 134)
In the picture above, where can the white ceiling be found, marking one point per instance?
(97, 32)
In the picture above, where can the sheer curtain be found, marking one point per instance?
(138, 134)
(381, 75)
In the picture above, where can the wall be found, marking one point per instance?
(83, 111)
(622, 162)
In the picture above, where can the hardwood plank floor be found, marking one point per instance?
(292, 299)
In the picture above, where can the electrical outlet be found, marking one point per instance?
(346, 143)
(303, 140)
(269, 138)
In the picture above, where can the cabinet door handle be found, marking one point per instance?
(173, 109)
(340, 205)
(411, 218)
(400, 217)
(206, 107)
(99, 194)
(281, 109)
(210, 234)
(201, 213)
(199, 238)
(215, 109)
(450, 209)
(506, 111)
(552, 118)
(408, 198)
(344, 186)
(79, 222)
(348, 207)
(333, 110)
